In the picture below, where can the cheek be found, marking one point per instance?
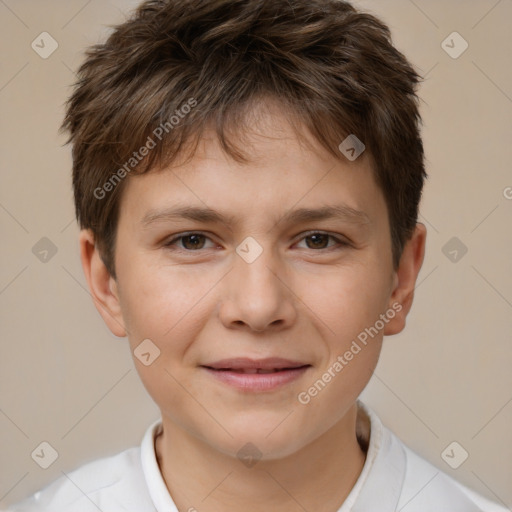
(162, 306)
(158, 303)
(166, 306)
(349, 304)
(348, 301)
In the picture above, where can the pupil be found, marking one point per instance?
(319, 237)
(193, 245)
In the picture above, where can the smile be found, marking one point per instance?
(251, 375)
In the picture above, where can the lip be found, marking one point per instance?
(246, 363)
(256, 375)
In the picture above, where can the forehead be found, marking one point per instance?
(285, 171)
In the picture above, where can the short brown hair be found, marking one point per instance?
(331, 66)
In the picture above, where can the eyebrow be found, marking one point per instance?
(208, 215)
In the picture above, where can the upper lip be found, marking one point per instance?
(242, 363)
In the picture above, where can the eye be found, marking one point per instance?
(195, 241)
(189, 242)
(318, 240)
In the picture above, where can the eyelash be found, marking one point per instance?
(172, 242)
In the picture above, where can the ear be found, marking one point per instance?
(102, 285)
(405, 279)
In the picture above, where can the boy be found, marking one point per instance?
(215, 143)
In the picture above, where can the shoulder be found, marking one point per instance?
(111, 483)
(395, 477)
(427, 487)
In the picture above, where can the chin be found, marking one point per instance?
(256, 438)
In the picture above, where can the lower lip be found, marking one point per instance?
(257, 381)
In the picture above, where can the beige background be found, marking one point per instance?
(66, 380)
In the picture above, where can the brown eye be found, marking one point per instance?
(193, 241)
(317, 240)
(189, 242)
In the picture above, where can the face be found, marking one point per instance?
(256, 281)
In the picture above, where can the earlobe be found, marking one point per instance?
(102, 285)
(405, 279)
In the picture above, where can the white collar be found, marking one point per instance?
(382, 478)
(380, 482)
(154, 479)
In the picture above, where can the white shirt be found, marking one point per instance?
(393, 479)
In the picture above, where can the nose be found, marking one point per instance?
(257, 296)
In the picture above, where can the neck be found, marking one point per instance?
(318, 477)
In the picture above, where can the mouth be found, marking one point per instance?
(254, 370)
(256, 375)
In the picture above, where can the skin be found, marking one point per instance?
(298, 300)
